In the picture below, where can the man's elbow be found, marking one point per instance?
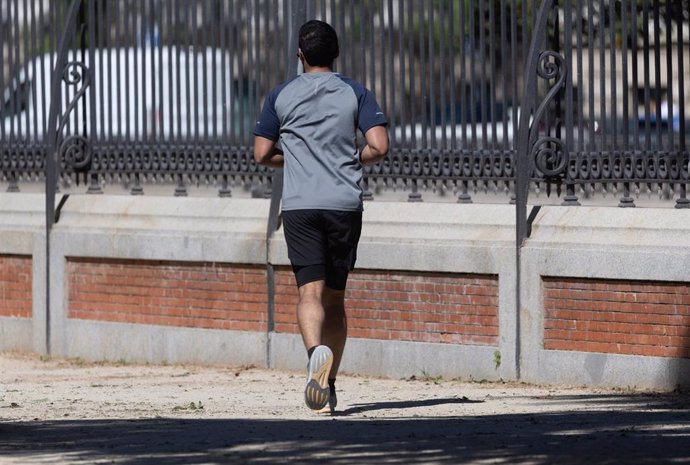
(383, 151)
(380, 148)
(378, 142)
(263, 150)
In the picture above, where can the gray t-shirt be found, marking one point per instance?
(315, 117)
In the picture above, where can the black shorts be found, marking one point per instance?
(322, 244)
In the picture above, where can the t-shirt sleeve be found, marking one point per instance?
(268, 124)
(370, 113)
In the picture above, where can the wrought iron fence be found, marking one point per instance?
(167, 90)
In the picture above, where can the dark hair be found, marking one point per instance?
(319, 43)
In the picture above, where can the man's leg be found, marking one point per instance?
(311, 319)
(310, 313)
(334, 333)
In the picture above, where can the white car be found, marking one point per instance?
(140, 92)
(459, 136)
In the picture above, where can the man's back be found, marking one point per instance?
(318, 115)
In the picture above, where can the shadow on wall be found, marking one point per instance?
(617, 430)
(683, 365)
(677, 335)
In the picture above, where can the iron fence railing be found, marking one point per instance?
(167, 90)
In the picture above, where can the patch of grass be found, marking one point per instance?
(196, 405)
(77, 361)
(426, 378)
(624, 389)
(242, 368)
(497, 358)
(192, 406)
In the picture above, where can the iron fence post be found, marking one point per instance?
(297, 15)
(52, 165)
(523, 161)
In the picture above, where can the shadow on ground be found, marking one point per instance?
(632, 430)
(405, 404)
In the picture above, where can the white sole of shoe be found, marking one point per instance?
(317, 392)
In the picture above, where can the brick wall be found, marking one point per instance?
(286, 298)
(16, 286)
(200, 295)
(620, 317)
(423, 307)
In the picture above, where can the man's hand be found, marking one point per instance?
(377, 145)
(265, 153)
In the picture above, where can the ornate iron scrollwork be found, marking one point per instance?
(75, 150)
(550, 156)
(549, 153)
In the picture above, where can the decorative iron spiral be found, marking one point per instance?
(75, 72)
(551, 65)
(550, 156)
(75, 150)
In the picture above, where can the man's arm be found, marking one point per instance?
(265, 153)
(377, 145)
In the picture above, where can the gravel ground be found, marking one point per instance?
(73, 412)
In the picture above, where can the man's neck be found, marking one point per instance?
(316, 69)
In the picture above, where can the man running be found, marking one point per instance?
(315, 117)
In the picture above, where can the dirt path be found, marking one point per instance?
(58, 411)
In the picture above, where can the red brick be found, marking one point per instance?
(16, 299)
(625, 317)
(200, 295)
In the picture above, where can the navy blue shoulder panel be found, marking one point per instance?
(268, 124)
(369, 112)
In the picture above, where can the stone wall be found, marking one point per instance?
(605, 294)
